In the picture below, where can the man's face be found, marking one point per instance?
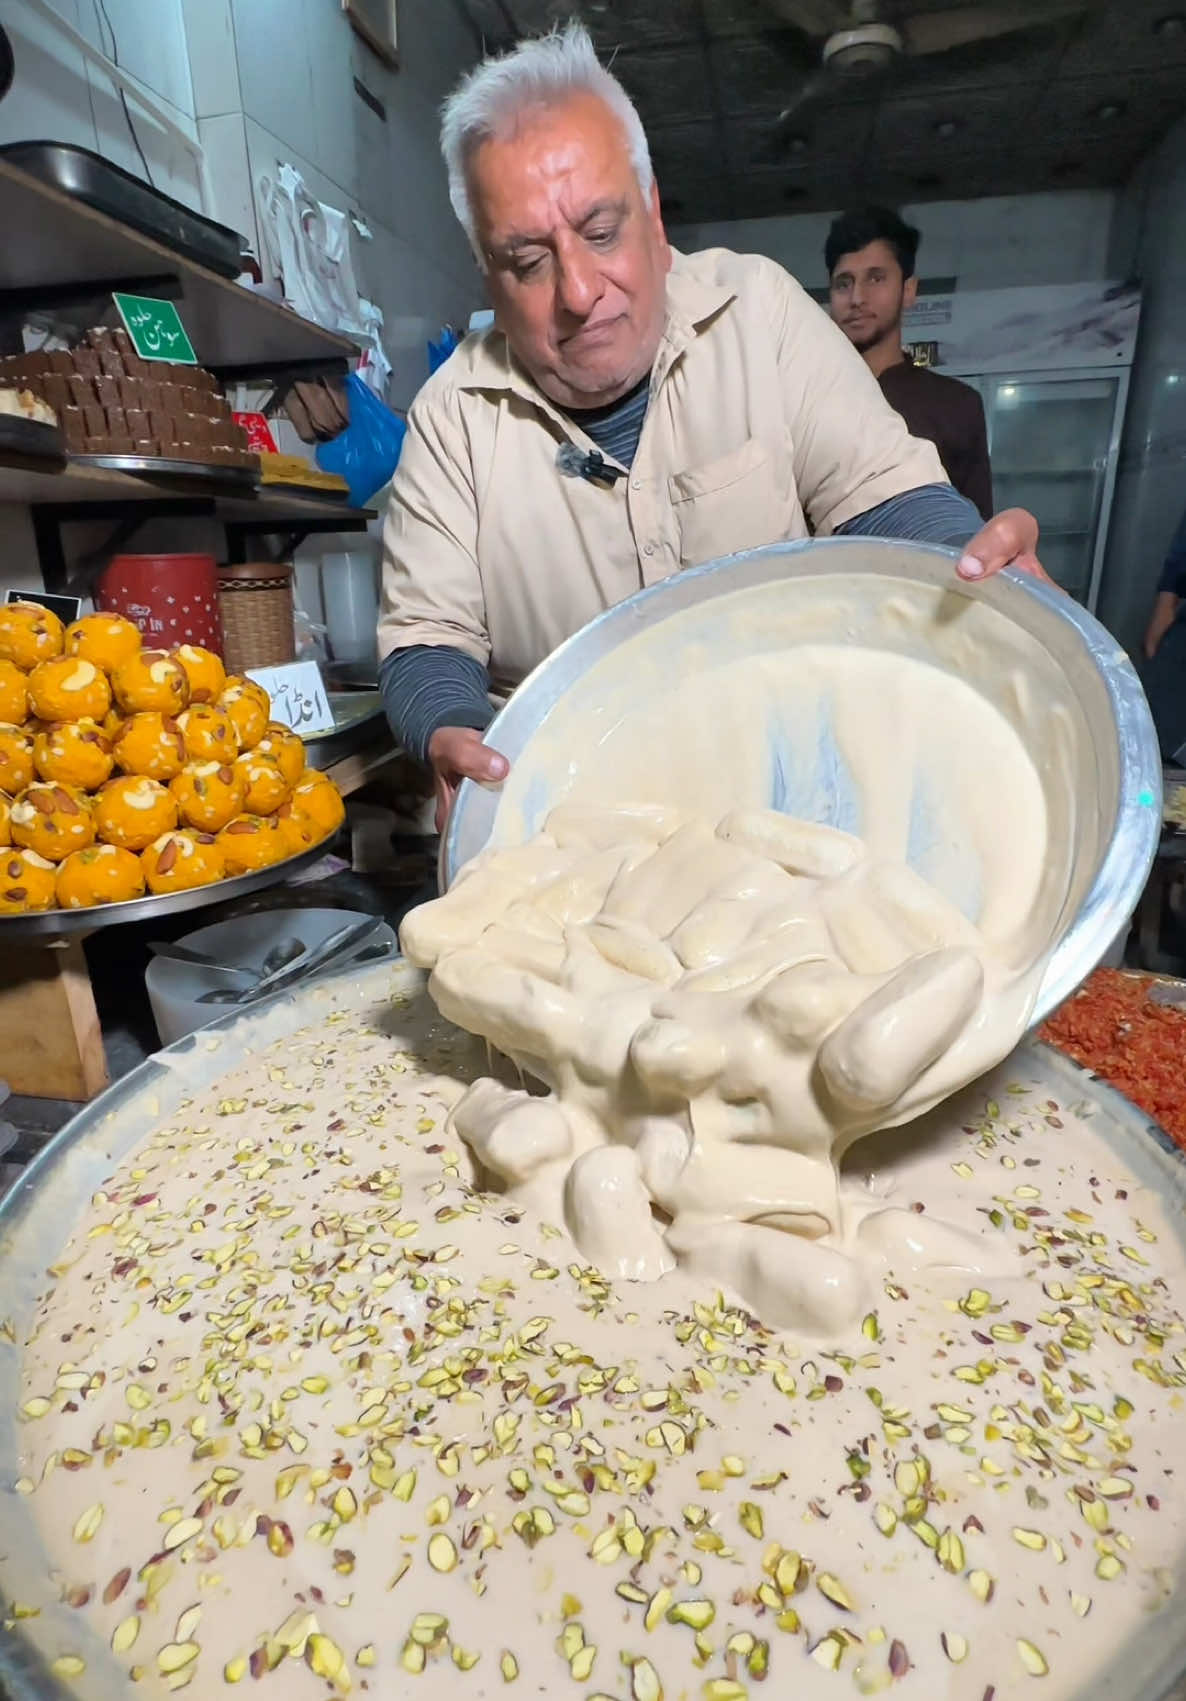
(869, 294)
(577, 256)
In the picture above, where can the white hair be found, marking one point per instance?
(542, 72)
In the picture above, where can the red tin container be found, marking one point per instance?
(173, 599)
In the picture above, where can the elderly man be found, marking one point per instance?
(635, 411)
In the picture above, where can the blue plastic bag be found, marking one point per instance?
(367, 452)
(439, 352)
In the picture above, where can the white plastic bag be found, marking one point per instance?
(308, 245)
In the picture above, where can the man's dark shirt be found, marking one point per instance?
(951, 416)
(1173, 574)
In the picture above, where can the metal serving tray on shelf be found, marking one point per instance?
(31, 440)
(88, 177)
(160, 466)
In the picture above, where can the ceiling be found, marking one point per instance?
(1066, 105)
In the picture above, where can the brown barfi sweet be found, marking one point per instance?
(73, 429)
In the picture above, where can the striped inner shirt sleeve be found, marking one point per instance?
(934, 513)
(429, 686)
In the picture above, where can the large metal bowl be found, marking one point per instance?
(40, 1211)
(1085, 720)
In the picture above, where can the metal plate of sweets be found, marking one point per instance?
(48, 925)
(1082, 715)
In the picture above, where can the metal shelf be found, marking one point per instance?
(81, 492)
(74, 256)
(97, 486)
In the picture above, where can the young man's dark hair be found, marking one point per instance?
(855, 230)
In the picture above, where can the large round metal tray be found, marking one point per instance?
(60, 924)
(1094, 672)
(244, 479)
(37, 1213)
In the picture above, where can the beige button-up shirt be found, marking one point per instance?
(763, 422)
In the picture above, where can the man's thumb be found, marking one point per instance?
(486, 764)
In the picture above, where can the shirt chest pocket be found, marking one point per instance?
(741, 500)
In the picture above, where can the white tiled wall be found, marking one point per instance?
(291, 98)
(213, 64)
(224, 141)
(1150, 242)
(995, 243)
(57, 96)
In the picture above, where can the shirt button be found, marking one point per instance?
(636, 484)
(649, 549)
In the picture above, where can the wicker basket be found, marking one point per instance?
(255, 598)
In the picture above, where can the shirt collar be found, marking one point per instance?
(484, 361)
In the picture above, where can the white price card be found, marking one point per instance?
(298, 696)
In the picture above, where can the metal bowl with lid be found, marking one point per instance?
(1055, 674)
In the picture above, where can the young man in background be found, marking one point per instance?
(870, 256)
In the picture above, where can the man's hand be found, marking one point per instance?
(1165, 611)
(1008, 540)
(457, 753)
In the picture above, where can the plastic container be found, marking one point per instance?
(173, 599)
(350, 596)
(242, 943)
(256, 602)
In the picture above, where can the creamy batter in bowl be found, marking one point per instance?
(719, 1014)
(710, 691)
(290, 1397)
